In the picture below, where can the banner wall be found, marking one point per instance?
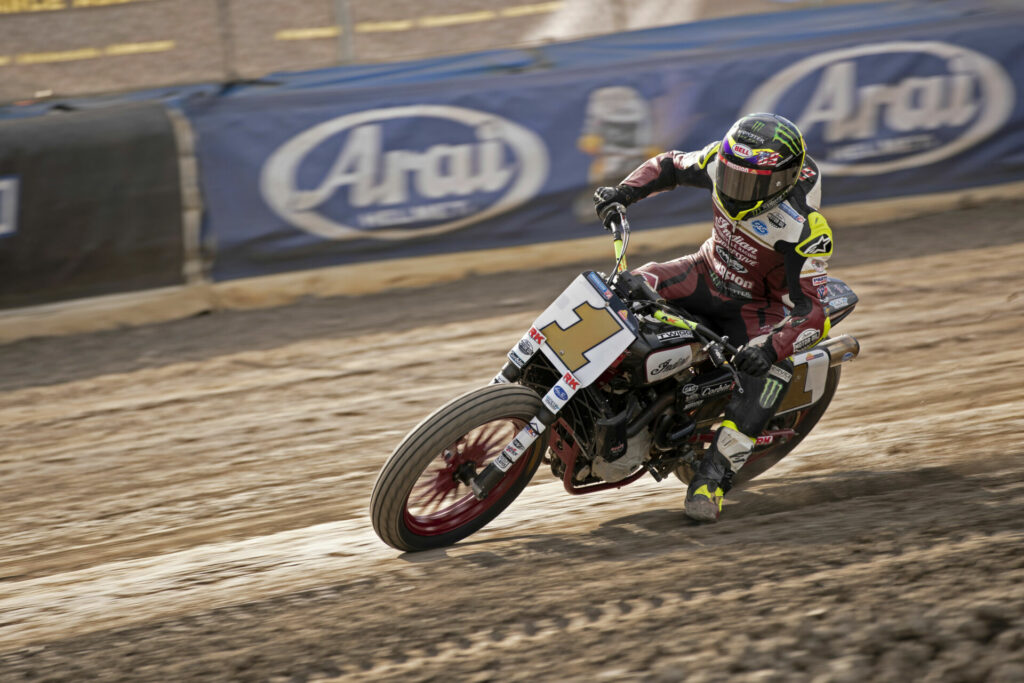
(314, 176)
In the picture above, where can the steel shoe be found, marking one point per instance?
(704, 500)
(706, 491)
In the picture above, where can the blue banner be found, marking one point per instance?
(314, 176)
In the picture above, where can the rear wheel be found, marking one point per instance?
(422, 499)
(800, 421)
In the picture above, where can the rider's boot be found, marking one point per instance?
(713, 478)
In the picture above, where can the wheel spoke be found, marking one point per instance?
(439, 501)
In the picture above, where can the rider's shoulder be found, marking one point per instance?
(700, 158)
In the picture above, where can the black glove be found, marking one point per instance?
(754, 360)
(608, 202)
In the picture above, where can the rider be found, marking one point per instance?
(757, 278)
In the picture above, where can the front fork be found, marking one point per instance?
(484, 482)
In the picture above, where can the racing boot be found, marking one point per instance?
(713, 478)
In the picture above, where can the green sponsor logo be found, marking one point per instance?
(770, 393)
(756, 126)
(789, 138)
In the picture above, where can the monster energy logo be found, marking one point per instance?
(770, 393)
(756, 126)
(787, 137)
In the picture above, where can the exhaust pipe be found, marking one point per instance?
(840, 349)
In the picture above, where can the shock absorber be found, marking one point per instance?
(483, 483)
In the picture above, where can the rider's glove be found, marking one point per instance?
(754, 360)
(608, 202)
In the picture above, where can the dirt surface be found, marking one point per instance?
(188, 501)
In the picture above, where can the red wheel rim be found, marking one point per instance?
(439, 502)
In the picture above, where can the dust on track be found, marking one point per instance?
(188, 500)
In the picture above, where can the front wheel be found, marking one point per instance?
(422, 499)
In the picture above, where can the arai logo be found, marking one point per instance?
(338, 181)
(958, 98)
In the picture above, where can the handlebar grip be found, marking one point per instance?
(617, 224)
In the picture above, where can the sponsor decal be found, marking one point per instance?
(771, 393)
(823, 292)
(805, 340)
(516, 359)
(950, 99)
(8, 205)
(511, 451)
(743, 250)
(571, 382)
(503, 462)
(767, 159)
(788, 137)
(728, 276)
(715, 389)
(760, 227)
(776, 220)
(818, 280)
(729, 261)
(807, 172)
(675, 334)
(477, 166)
(764, 440)
(792, 212)
(519, 445)
(732, 289)
(533, 428)
(525, 347)
(839, 302)
(846, 356)
(552, 406)
(536, 336)
(670, 365)
(742, 150)
(600, 285)
(690, 389)
(779, 373)
(819, 245)
(499, 379)
(560, 393)
(744, 169)
(818, 265)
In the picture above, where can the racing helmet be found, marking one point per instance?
(759, 162)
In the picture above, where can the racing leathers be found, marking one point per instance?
(759, 279)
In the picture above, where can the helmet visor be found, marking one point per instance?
(749, 184)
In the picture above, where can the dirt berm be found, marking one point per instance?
(188, 501)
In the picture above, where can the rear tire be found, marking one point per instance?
(419, 503)
(802, 421)
(762, 459)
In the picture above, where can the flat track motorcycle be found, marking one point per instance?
(609, 383)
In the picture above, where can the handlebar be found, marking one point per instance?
(641, 302)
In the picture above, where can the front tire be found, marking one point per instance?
(421, 500)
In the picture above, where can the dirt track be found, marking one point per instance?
(188, 500)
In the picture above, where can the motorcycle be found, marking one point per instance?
(609, 384)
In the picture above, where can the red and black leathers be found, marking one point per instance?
(757, 278)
